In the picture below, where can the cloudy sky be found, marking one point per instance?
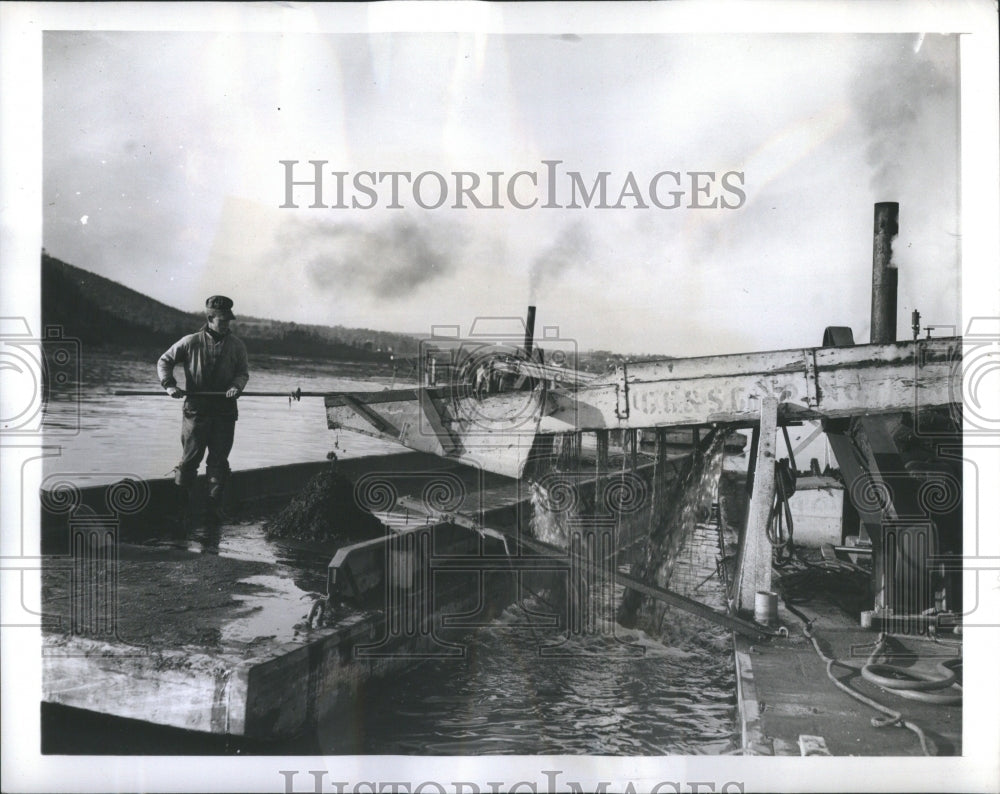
(161, 170)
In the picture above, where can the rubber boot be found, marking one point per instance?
(216, 491)
(181, 521)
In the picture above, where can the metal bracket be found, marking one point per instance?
(621, 392)
(812, 385)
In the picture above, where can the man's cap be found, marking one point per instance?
(220, 304)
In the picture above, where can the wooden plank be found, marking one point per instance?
(751, 728)
(754, 570)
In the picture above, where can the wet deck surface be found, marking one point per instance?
(229, 588)
(223, 596)
(786, 693)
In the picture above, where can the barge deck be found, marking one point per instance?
(209, 633)
(789, 706)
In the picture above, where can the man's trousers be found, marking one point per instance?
(198, 433)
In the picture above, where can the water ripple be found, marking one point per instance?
(505, 698)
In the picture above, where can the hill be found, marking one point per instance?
(102, 312)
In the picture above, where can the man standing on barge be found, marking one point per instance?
(215, 374)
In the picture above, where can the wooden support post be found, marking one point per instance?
(632, 444)
(661, 448)
(755, 551)
(602, 453)
(569, 454)
(603, 465)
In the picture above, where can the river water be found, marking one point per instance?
(602, 695)
(103, 438)
(599, 696)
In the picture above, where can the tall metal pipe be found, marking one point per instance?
(885, 276)
(529, 331)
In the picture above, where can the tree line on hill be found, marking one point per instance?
(104, 313)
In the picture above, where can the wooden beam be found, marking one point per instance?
(602, 467)
(379, 422)
(754, 569)
(807, 383)
(436, 415)
(497, 432)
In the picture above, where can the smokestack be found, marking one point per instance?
(529, 332)
(885, 276)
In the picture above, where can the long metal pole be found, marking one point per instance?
(295, 394)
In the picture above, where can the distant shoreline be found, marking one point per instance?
(262, 359)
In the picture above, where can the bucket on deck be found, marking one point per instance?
(765, 607)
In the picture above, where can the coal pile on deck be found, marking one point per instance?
(326, 510)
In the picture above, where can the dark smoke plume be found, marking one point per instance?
(569, 250)
(388, 261)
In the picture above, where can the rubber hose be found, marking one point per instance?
(891, 717)
(886, 675)
(912, 684)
